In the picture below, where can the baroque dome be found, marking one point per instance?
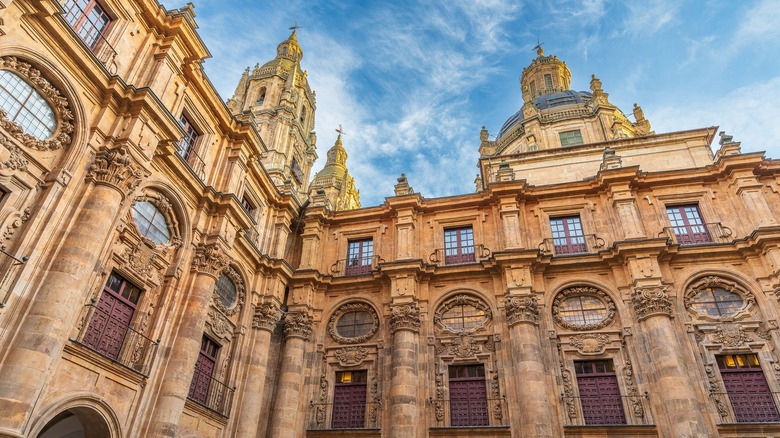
(547, 101)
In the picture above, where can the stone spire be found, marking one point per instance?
(334, 179)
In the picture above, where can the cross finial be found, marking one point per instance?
(341, 131)
(538, 47)
(295, 26)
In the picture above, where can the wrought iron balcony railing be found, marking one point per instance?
(356, 415)
(747, 407)
(700, 234)
(571, 245)
(193, 160)
(491, 412)
(112, 338)
(598, 411)
(355, 265)
(459, 255)
(90, 33)
(214, 395)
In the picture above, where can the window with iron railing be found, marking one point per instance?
(190, 137)
(360, 254)
(567, 235)
(459, 246)
(87, 18)
(687, 224)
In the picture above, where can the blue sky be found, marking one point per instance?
(413, 82)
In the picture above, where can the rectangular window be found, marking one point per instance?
(571, 138)
(360, 255)
(187, 148)
(349, 400)
(533, 88)
(204, 371)
(459, 246)
(468, 397)
(688, 225)
(111, 319)
(248, 205)
(599, 392)
(747, 389)
(296, 171)
(87, 18)
(567, 235)
(548, 81)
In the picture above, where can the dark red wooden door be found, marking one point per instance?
(204, 371)
(748, 391)
(359, 255)
(349, 400)
(567, 235)
(113, 313)
(599, 393)
(687, 225)
(468, 398)
(459, 246)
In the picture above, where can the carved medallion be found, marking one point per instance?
(731, 335)
(351, 356)
(590, 343)
(219, 324)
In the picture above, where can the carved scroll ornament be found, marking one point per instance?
(405, 317)
(114, 167)
(651, 301)
(351, 356)
(209, 259)
(297, 325)
(266, 316)
(521, 309)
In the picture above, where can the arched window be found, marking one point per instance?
(303, 115)
(151, 222)
(25, 106)
(261, 97)
(226, 291)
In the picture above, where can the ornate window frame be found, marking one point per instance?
(351, 307)
(166, 208)
(580, 291)
(61, 138)
(231, 273)
(462, 299)
(710, 281)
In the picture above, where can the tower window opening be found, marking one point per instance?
(571, 138)
(533, 88)
(261, 98)
(548, 82)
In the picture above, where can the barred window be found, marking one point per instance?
(226, 291)
(25, 106)
(151, 222)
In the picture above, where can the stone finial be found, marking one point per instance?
(642, 125)
(405, 317)
(115, 168)
(639, 115)
(209, 259)
(256, 70)
(479, 186)
(725, 138)
(651, 301)
(297, 325)
(484, 134)
(403, 187)
(728, 146)
(595, 84)
(521, 309)
(610, 160)
(266, 316)
(505, 173)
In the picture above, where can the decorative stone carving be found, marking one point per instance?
(714, 281)
(266, 316)
(463, 300)
(568, 393)
(322, 405)
(651, 301)
(731, 335)
(465, 347)
(714, 384)
(209, 259)
(405, 317)
(609, 305)
(59, 105)
(219, 324)
(634, 398)
(11, 228)
(351, 356)
(297, 325)
(140, 259)
(439, 404)
(15, 159)
(352, 307)
(238, 282)
(590, 343)
(521, 309)
(115, 167)
(373, 396)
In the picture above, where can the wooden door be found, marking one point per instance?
(599, 392)
(112, 317)
(204, 371)
(748, 391)
(349, 400)
(468, 396)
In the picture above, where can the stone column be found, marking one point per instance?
(405, 382)
(207, 265)
(264, 321)
(673, 389)
(287, 419)
(531, 414)
(43, 333)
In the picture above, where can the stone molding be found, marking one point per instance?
(651, 301)
(351, 356)
(297, 325)
(405, 317)
(209, 259)
(115, 168)
(714, 281)
(521, 309)
(351, 307)
(16, 159)
(238, 282)
(463, 299)
(266, 316)
(579, 291)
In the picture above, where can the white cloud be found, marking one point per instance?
(647, 17)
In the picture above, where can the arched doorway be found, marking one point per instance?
(78, 422)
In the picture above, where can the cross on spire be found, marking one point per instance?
(295, 26)
(341, 131)
(538, 47)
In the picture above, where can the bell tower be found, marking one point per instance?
(277, 100)
(545, 75)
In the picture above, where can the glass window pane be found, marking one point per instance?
(25, 106)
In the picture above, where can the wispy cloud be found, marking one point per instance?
(648, 17)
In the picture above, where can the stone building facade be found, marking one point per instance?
(170, 267)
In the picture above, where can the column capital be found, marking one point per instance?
(405, 317)
(266, 316)
(115, 168)
(521, 309)
(209, 259)
(297, 325)
(651, 301)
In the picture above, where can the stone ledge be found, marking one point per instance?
(356, 433)
(612, 431)
(470, 432)
(749, 429)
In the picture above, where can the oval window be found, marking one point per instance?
(150, 222)
(226, 291)
(24, 105)
(716, 301)
(463, 317)
(355, 324)
(582, 310)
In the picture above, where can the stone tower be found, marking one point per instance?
(335, 182)
(277, 99)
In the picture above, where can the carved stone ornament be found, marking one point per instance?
(115, 167)
(219, 324)
(590, 343)
(568, 393)
(634, 399)
(140, 259)
(704, 285)
(59, 105)
(352, 307)
(405, 317)
(463, 300)
(602, 296)
(465, 347)
(266, 316)
(209, 259)
(16, 159)
(650, 301)
(351, 356)
(164, 206)
(521, 309)
(297, 325)
(238, 282)
(731, 335)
